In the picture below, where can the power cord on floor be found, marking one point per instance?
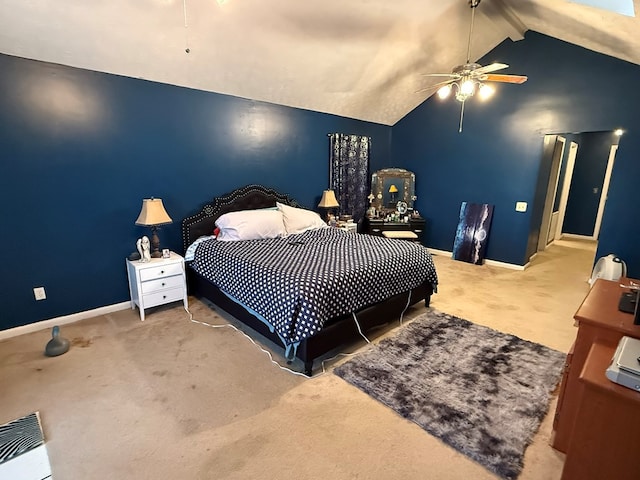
(286, 369)
(281, 367)
(406, 307)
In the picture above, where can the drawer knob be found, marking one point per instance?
(164, 296)
(161, 271)
(163, 284)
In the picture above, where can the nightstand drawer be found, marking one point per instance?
(152, 273)
(151, 286)
(162, 297)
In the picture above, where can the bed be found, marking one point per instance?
(302, 288)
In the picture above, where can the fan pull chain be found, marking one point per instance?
(461, 116)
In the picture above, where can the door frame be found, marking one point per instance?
(552, 189)
(566, 186)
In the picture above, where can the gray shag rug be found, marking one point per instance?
(480, 391)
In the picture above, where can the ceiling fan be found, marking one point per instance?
(467, 79)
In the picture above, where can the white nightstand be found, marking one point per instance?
(160, 281)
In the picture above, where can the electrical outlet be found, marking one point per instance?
(521, 206)
(39, 293)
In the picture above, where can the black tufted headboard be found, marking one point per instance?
(245, 198)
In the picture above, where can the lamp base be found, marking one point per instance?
(155, 243)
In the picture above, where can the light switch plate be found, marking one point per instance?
(39, 293)
(521, 206)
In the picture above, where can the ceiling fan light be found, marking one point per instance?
(467, 88)
(444, 91)
(486, 91)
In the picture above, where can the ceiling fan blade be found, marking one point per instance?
(506, 78)
(491, 68)
(434, 86)
(452, 75)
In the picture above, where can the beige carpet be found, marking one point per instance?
(171, 399)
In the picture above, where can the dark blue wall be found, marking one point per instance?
(80, 150)
(497, 158)
(587, 181)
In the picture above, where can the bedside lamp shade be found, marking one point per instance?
(328, 200)
(151, 215)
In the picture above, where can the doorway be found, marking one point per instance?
(577, 186)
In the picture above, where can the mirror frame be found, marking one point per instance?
(384, 177)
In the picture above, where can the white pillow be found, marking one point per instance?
(250, 225)
(298, 220)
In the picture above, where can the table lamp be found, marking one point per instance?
(393, 190)
(328, 201)
(151, 215)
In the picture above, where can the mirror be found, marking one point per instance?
(390, 186)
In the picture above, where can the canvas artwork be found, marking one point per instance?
(472, 233)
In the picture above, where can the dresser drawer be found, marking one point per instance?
(162, 297)
(151, 286)
(152, 273)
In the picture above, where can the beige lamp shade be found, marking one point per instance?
(393, 189)
(153, 213)
(328, 200)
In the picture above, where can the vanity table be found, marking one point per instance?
(392, 197)
(375, 226)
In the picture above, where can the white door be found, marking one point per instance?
(605, 191)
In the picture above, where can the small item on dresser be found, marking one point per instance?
(144, 249)
(625, 366)
(629, 304)
(166, 253)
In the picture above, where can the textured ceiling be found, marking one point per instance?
(357, 58)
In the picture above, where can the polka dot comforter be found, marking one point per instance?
(298, 282)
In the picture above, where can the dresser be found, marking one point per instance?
(157, 282)
(374, 226)
(599, 322)
(604, 442)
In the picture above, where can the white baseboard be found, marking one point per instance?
(511, 266)
(52, 322)
(494, 263)
(575, 236)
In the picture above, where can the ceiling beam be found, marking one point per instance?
(505, 18)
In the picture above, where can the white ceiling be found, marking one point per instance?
(356, 58)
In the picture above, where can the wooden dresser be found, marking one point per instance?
(604, 442)
(598, 320)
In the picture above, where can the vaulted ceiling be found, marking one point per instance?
(362, 59)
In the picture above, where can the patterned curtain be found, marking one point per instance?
(349, 172)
